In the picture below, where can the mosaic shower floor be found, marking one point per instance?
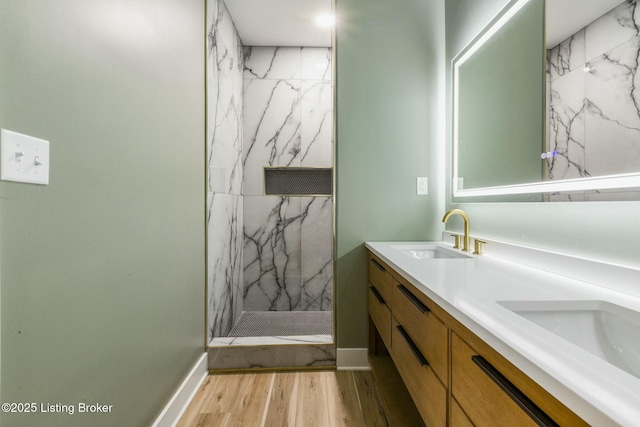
(282, 323)
(279, 327)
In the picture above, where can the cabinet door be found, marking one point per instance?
(380, 278)
(380, 315)
(486, 397)
(458, 417)
(429, 395)
(427, 331)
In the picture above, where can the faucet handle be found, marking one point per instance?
(477, 246)
(458, 240)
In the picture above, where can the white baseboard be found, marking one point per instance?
(352, 359)
(173, 411)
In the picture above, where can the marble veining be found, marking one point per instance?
(288, 253)
(279, 63)
(315, 63)
(612, 29)
(288, 118)
(225, 263)
(316, 123)
(272, 253)
(594, 101)
(567, 127)
(613, 112)
(224, 153)
(224, 101)
(288, 111)
(272, 340)
(271, 128)
(567, 56)
(316, 254)
(269, 356)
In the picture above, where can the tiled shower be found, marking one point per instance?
(270, 260)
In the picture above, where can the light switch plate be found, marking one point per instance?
(23, 158)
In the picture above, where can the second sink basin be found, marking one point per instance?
(606, 330)
(426, 251)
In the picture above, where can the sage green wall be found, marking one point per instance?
(103, 270)
(609, 231)
(389, 116)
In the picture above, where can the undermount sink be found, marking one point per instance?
(606, 330)
(425, 251)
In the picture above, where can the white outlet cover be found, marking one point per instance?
(23, 158)
(422, 185)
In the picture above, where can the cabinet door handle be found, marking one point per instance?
(377, 264)
(536, 414)
(377, 295)
(416, 352)
(423, 308)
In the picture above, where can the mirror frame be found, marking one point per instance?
(606, 182)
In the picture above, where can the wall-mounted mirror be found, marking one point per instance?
(550, 118)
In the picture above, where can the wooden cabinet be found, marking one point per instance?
(487, 397)
(453, 377)
(416, 339)
(491, 391)
(413, 310)
(458, 417)
(428, 393)
(380, 278)
(379, 299)
(380, 315)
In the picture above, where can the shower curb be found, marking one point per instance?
(265, 357)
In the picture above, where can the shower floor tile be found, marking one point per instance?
(282, 324)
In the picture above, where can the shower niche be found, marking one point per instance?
(270, 207)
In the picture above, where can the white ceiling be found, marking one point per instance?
(565, 17)
(280, 22)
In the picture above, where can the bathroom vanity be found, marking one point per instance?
(474, 340)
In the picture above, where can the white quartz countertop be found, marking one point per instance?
(469, 289)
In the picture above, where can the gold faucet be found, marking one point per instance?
(465, 217)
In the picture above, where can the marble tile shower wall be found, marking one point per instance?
(593, 101)
(224, 151)
(287, 122)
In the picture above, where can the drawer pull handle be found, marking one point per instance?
(536, 414)
(377, 295)
(377, 264)
(412, 346)
(423, 308)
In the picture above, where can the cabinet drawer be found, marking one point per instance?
(480, 390)
(458, 417)
(381, 316)
(380, 278)
(427, 331)
(429, 395)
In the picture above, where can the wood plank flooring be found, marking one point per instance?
(293, 399)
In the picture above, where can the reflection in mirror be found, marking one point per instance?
(593, 108)
(499, 115)
(586, 145)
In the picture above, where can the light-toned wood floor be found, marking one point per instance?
(294, 399)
